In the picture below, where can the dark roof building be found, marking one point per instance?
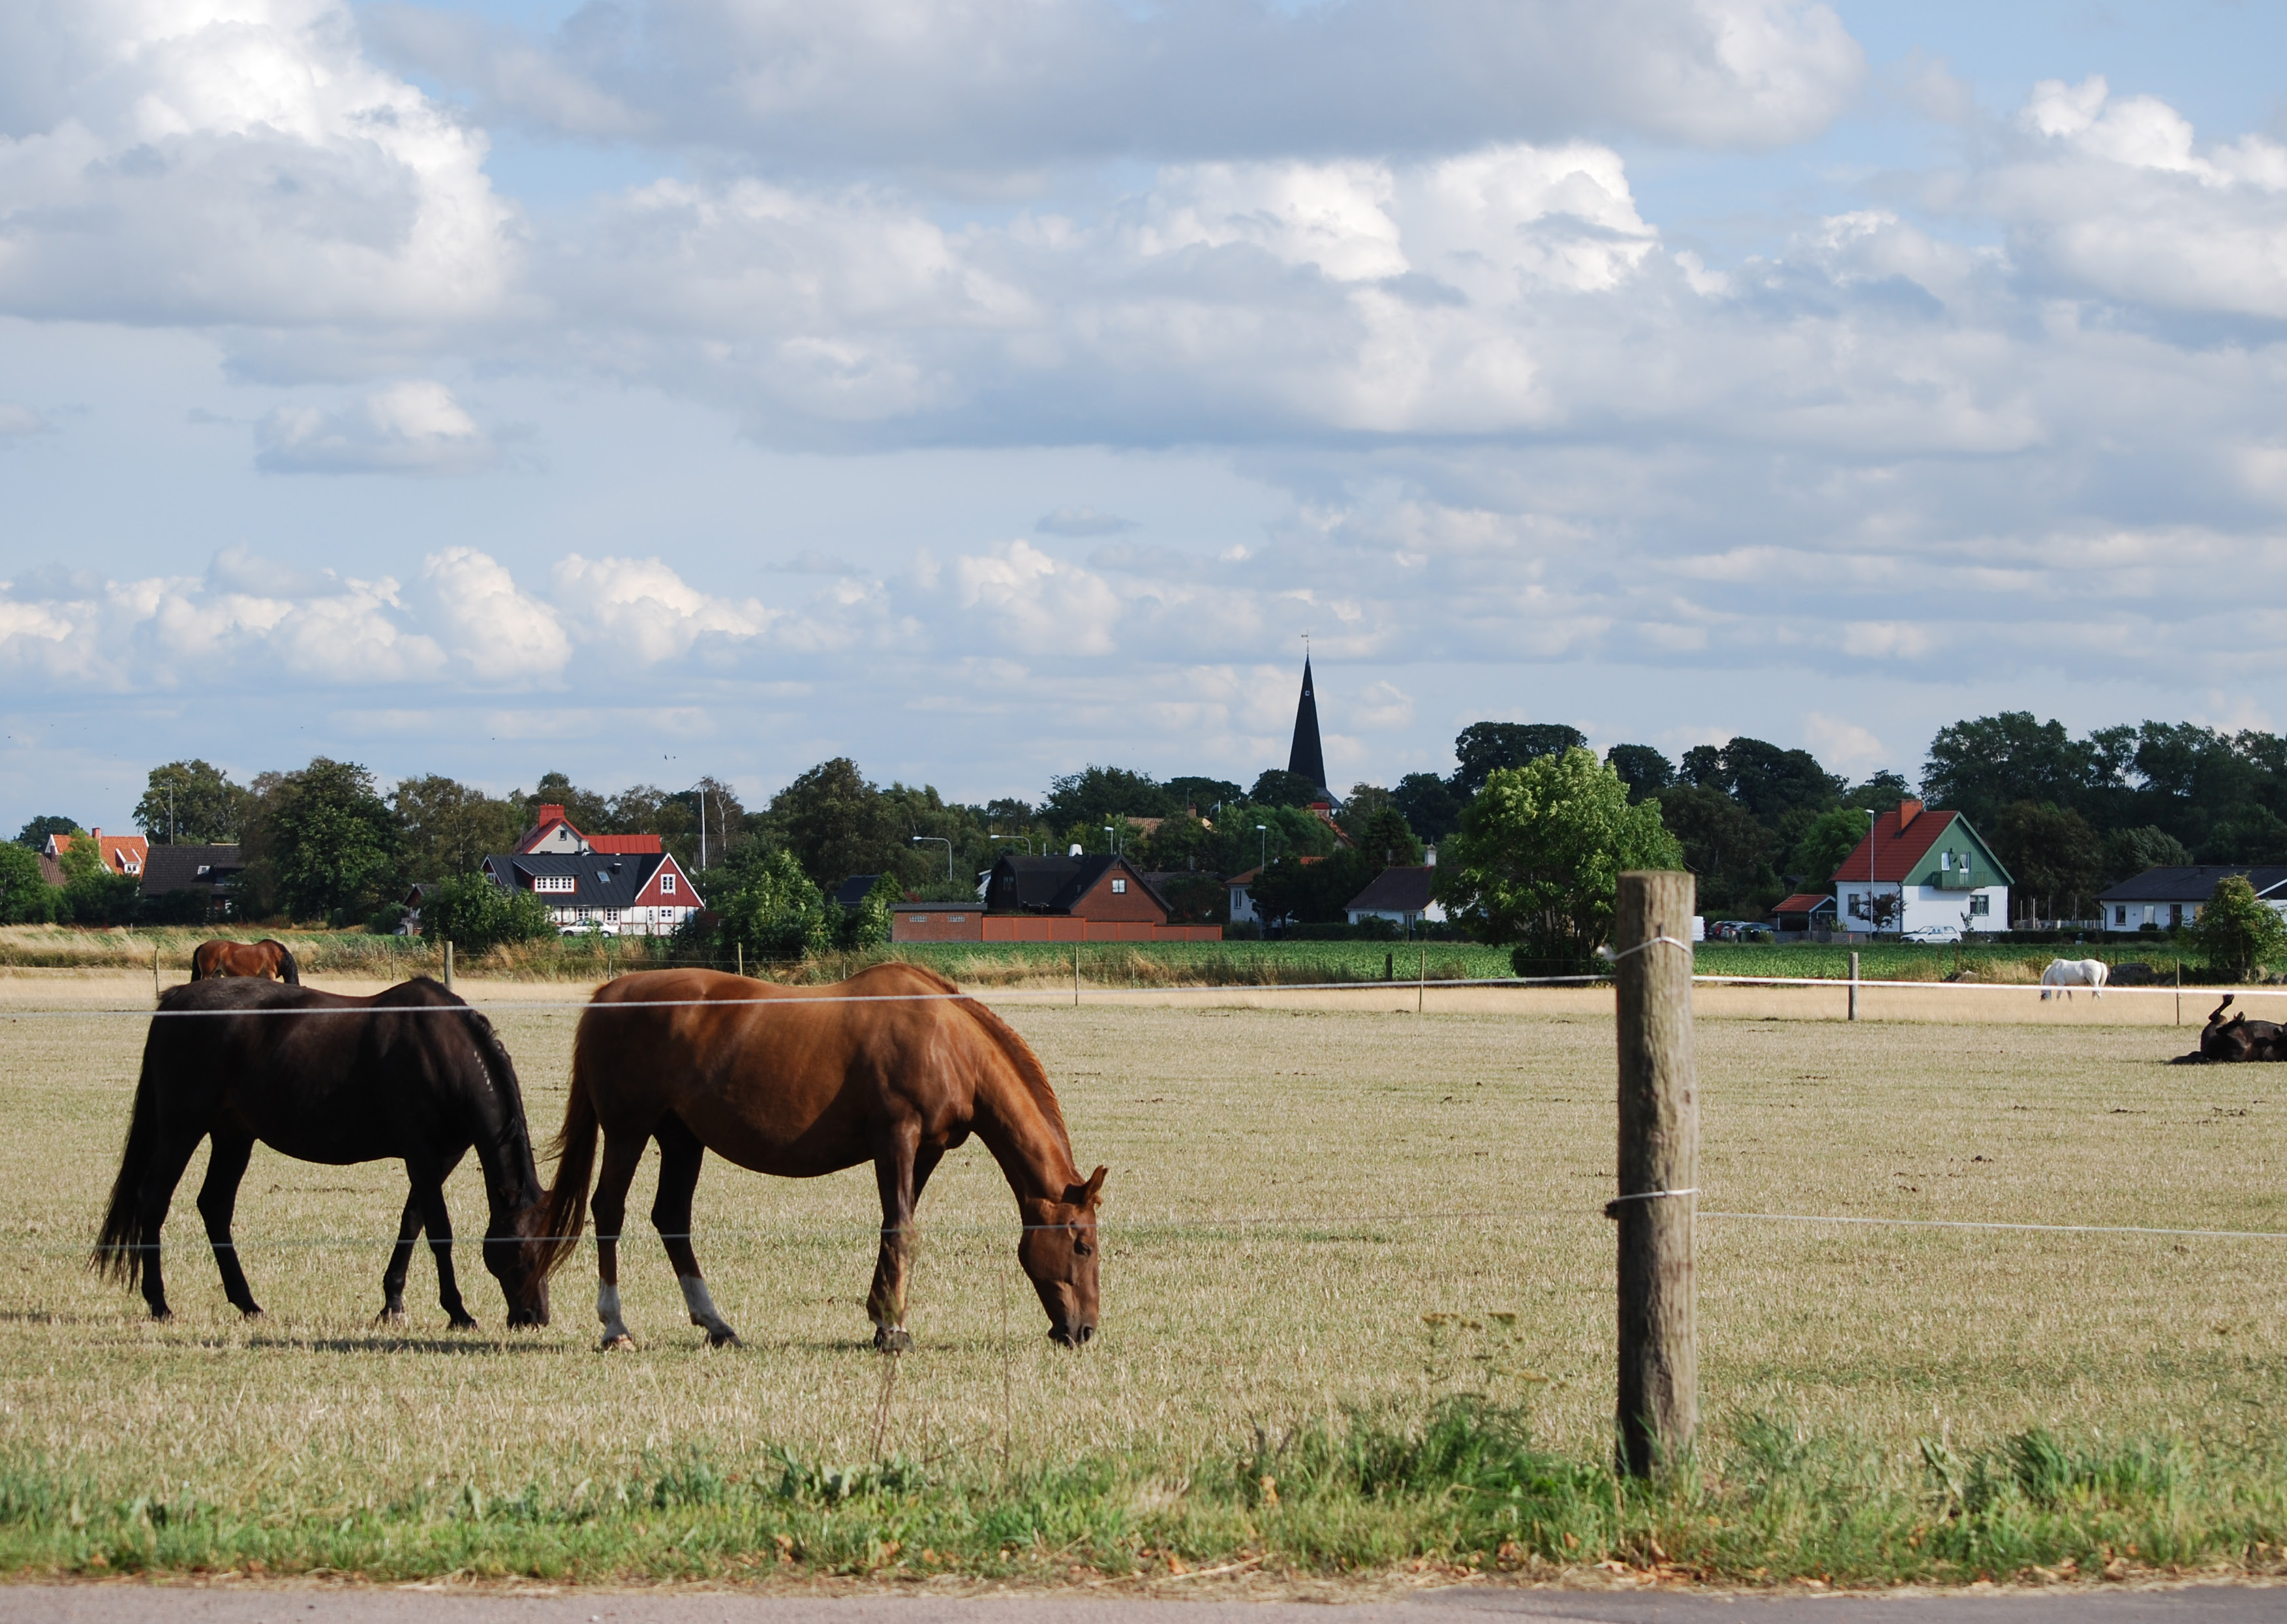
(2175, 895)
(854, 890)
(1404, 895)
(190, 868)
(1306, 759)
(1097, 887)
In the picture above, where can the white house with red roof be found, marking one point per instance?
(1944, 878)
(612, 884)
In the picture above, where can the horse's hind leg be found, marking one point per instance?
(610, 1206)
(680, 1153)
(152, 1199)
(400, 1263)
(217, 1199)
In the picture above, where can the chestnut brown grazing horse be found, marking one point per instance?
(892, 1067)
(263, 958)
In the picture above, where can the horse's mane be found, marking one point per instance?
(1021, 1058)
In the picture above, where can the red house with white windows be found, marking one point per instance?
(609, 884)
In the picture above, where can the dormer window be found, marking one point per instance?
(554, 882)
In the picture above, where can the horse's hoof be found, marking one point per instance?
(389, 1316)
(252, 1310)
(461, 1322)
(723, 1338)
(162, 1316)
(893, 1339)
(613, 1344)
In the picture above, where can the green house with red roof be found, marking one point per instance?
(1929, 870)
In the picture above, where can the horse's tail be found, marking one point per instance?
(563, 1211)
(200, 959)
(288, 971)
(120, 1245)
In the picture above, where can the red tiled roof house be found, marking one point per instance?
(1939, 875)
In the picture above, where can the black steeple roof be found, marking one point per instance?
(1307, 758)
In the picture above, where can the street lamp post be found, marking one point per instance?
(1262, 848)
(1026, 839)
(1112, 839)
(947, 845)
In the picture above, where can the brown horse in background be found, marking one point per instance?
(892, 1067)
(266, 957)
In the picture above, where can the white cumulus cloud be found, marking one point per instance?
(415, 427)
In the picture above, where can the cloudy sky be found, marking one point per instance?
(647, 388)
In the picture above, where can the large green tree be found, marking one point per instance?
(26, 897)
(1733, 855)
(1826, 844)
(1766, 780)
(34, 834)
(1431, 807)
(2050, 853)
(474, 915)
(325, 841)
(1485, 747)
(191, 802)
(447, 828)
(1976, 767)
(769, 907)
(1539, 853)
(2237, 932)
(1096, 796)
(1641, 768)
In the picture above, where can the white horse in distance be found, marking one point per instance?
(2063, 975)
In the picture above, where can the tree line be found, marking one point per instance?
(2068, 815)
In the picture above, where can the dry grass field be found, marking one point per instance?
(1316, 1216)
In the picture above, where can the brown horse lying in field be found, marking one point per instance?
(892, 1067)
(410, 1074)
(2240, 1038)
(265, 958)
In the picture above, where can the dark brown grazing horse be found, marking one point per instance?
(409, 1072)
(892, 1067)
(265, 958)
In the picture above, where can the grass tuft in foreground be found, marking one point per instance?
(1462, 1486)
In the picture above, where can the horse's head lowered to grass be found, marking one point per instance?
(1060, 1256)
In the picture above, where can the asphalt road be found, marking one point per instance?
(134, 1604)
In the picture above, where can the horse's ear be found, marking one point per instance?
(1092, 1192)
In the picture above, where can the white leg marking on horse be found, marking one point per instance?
(607, 1310)
(695, 1298)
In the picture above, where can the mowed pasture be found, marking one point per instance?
(1315, 1213)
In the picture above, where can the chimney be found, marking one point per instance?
(1908, 811)
(546, 815)
(1430, 855)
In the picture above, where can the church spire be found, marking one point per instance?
(1306, 759)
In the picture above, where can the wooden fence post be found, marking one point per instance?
(1854, 987)
(448, 964)
(741, 949)
(1658, 1169)
(2179, 992)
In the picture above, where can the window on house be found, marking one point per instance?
(554, 882)
(667, 884)
(611, 915)
(1981, 904)
(2120, 913)
(1120, 888)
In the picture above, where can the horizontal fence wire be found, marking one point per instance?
(798, 997)
(1208, 1228)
